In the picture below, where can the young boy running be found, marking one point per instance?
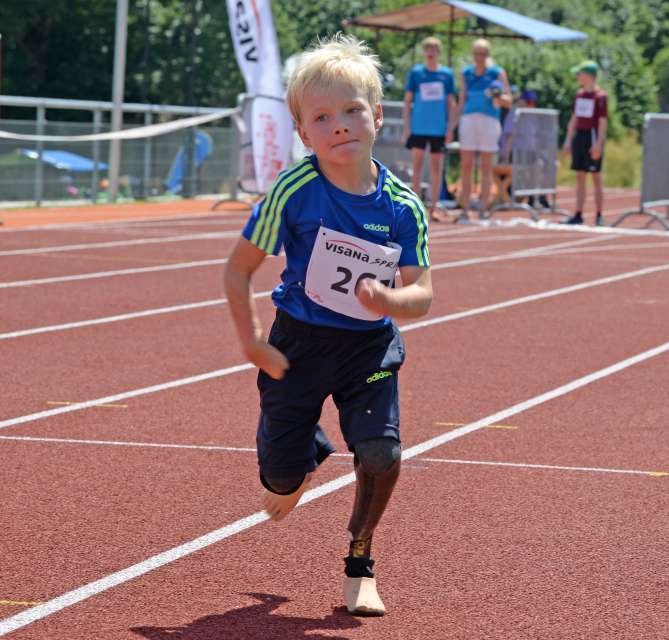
(346, 225)
(586, 135)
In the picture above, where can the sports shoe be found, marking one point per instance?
(577, 218)
(463, 218)
(599, 222)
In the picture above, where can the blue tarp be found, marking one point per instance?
(203, 147)
(64, 160)
(529, 27)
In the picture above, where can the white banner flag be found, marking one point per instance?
(257, 53)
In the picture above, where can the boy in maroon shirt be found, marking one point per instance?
(586, 135)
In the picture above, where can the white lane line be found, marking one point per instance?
(96, 587)
(556, 467)
(615, 247)
(403, 328)
(149, 445)
(494, 238)
(122, 317)
(173, 384)
(527, 253)
(126, 443)
(533, 297)
(209, 447)
(186, 307)
(111, 274)
(217, 235)
(543, 250)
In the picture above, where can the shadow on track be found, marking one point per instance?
(253, 622)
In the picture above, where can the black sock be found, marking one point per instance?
(362, 567)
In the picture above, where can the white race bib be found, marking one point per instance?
(338, 263)
(431, 91)
(585, 107)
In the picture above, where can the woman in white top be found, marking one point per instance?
(484, 91)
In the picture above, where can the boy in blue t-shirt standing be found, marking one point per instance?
(346, 225)
(429, 118)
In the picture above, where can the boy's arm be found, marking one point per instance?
(570, 133)
(244, 261)
(411, 300)
(453, 115)
(598, 147)
(406, 115)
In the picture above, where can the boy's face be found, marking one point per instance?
(339, 124)
(431, 53)
(585, 79)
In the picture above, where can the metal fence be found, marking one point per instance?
(534, 162)
(655, 176)
(146, 163)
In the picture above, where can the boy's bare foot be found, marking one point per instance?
(279, 506)
(362, 598)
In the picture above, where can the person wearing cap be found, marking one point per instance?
(429, 118)
(586, 135)
(484, 91)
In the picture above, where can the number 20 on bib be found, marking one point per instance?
(339, 262)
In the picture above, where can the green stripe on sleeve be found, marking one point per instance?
(272, 196)
(407, 197)
(271, 245)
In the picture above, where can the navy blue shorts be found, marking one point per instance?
(357, 368)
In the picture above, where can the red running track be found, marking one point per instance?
(573, 548)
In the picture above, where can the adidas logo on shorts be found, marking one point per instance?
(379, 375)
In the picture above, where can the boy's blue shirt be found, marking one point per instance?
(301, 200)
(429, 117)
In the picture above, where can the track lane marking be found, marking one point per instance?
(204, 263)
(110, 274)
(403, 328)
(217, 235)
(207, 447)
(195, 305)
(557, 467)
(96, 587)
(108, 406)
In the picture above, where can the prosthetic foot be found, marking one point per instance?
(278, 505)
(362, 598)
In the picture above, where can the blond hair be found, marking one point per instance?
(431, 41)
(482, 43)
(340, 58)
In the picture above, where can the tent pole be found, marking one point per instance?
(413, 48)
(450, 38)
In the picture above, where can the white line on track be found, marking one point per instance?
(616, 247)
(125, 316)
(125, 443)
(207, 263)
(110, 274)
(219, 301)
(78, 406)
(96, 587)
(10, 422)
(534, 297)
(102, 224)
(556, 467)
(212, 235)
(209, 447)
